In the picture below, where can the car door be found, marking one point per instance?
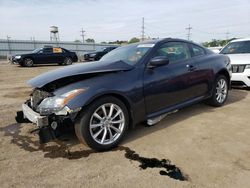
(58, 55)
(45, 56)
(201, 77)
(168, 85)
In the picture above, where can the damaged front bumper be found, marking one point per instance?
(49, 127)
(34, 117)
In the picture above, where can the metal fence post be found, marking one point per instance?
(9, 48)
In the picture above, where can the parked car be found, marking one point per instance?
(239, 53)
(97, 55)
(46, 55)
(135, 83)
(216, 49)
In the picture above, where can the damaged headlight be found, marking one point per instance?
(56, 103)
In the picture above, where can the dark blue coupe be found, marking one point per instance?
(131, 84)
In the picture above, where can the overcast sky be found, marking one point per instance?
(109, 20)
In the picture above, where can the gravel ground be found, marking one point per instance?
(209, 147)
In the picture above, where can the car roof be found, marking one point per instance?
(240, 40)
(164, 40)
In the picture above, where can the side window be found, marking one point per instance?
(47, 50)
(174, 51)
(197, 51)
(57, 50)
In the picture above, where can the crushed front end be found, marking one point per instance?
(49, 112)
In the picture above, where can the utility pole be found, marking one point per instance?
(227, 35)
(82, 35)
(143, 30)
(189, 31)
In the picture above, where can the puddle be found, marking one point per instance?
(56, 149)
(60, 149)
(169, 169)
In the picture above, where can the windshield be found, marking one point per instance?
(36, 50)
(130, 54)
(237, 48)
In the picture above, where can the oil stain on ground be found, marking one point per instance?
(169, 169)
(61, 150)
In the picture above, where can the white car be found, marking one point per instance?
(239, 54)
(216, 49)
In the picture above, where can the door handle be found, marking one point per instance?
(191, 67)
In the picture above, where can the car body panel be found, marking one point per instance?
(78, 69)
(147, 92)
(46, 57)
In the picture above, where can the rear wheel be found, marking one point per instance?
(220, 91)
(67, 61)
(103, 124)
(28, 62)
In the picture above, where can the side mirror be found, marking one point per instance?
(158, 61)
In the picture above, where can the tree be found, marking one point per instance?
(77, 41)
(90, 40)
(134, 40)
(120, 42)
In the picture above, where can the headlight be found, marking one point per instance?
(247, 67)
(92, 55)
(56, 103)
(18, 57)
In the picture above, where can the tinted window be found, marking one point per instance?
(174, 51)
(197, 51)
(130, 54)
(47, 50)
(237, 48)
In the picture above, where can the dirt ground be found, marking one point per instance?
(210, 146)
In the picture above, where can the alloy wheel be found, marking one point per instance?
(107, 123)
(221, 90)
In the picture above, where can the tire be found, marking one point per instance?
(220, 88)
(67, 61)
(28, 62)
(102, 135)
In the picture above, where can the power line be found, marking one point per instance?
(189, 31)
(82, 35)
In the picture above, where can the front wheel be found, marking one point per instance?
(220, 92)
(28, 62)
(103, 124)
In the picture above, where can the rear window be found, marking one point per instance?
(197, 51)
(237, 48)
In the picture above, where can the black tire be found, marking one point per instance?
(28, 62)
(86, 117)
(67, 61)
(214, 101)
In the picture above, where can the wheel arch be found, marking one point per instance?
(29, 57)
(226, 74)
(122, 98)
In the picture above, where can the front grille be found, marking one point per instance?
(238, 68)
(37, 96)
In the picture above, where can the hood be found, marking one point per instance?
(79, 69)
(239, 58)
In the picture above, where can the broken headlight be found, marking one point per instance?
(56, 103)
